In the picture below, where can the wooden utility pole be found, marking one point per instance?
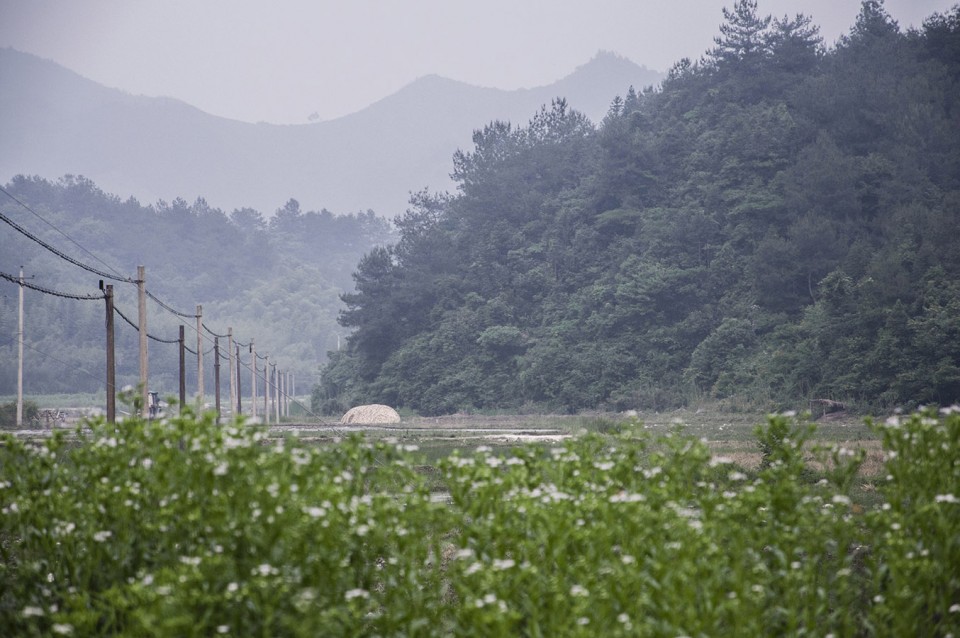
(183, 370)
(233, 377)
(276, 392)
(142, 329)
(253, 379)
(216, 374)
(200, 355)
(293, 386)
(20, 357)
(266, 389)
(239, 389)
(111, 360)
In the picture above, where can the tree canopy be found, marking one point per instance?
(275, 280)
(777, 222)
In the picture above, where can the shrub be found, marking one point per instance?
(8, 414)
(179, 527)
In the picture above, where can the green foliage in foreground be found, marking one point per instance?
(182, 528)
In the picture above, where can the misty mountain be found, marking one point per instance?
(54, 122)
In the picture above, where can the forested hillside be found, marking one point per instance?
(778, 222)
(276, 281)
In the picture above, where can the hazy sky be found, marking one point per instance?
(282, 60)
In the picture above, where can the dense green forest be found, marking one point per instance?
(778, 222)
(276, 280)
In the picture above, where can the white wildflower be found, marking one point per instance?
(30, 611)
(501, 565)
(473, 568)
(463, 554)
(102, 536)
(315, 512)
(221, 469)
(264, 570)
(190, 560)
(222, 629)
(954, 608)
(232, 587)
(583, 621)
(946, 498)
(300, 456)
(62, 629)
(350, 594)
(840, 499)
(579, 590)
(720, 460)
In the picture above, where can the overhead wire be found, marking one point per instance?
(116, 276)
(56, 293)
(137, 328)
(167, 307)
(212, 332)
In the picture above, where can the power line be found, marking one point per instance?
(137, 328)
(168, 308)
(211, 331)
(47, 291)
(75, 262)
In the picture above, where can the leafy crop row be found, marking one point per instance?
(184, 528)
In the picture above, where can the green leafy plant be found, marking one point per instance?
(180, 527)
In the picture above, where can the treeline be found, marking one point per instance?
(276, 280)
(777, 223)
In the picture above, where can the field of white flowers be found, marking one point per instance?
(185, 528)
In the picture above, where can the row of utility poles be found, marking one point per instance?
(283, 384)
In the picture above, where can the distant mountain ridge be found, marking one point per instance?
(54, 122)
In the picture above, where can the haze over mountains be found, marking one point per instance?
(54, 122)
